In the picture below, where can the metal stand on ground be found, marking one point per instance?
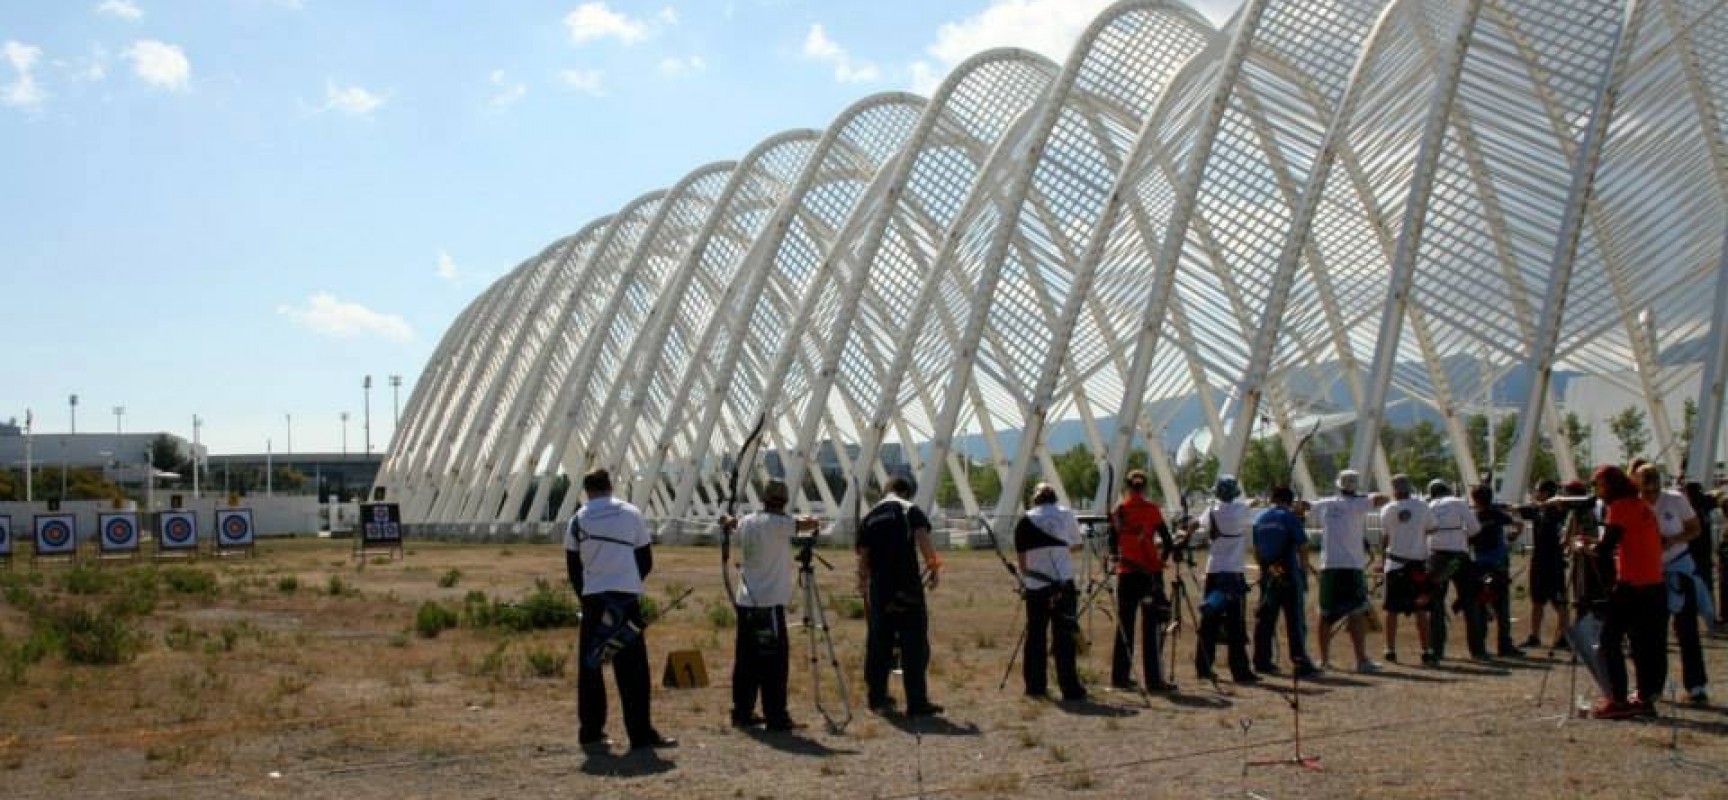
(816, 621)
(1296, 759)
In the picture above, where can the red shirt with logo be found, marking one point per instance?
(1137, 523)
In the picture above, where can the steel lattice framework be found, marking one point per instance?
(1412, 197)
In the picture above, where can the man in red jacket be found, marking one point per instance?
(1139, 542)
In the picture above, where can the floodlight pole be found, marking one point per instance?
(29, 467)
(269, 471)
(72, 402)
(196, 455)
(395, 404)
(366, 419)
(119, 411)
(344, 416)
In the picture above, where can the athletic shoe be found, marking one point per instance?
(1162, 686)
(1612, 709)
(1206, 675)
(1307, 670)
(746, 720)
(1430, 660)
(1532, 642)
(1125, 686)
(1075, 697)
(1390, 656)
(654, 742)
(882, 705)
(1368, 667)
(1266, 669)
(784, 726)
(1511, 652)
(924, 709)
(1640, 706)
(1698, 696)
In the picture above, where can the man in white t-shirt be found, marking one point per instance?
(1449, 562)
(762, 663)
(1228, 524)
(1343, 562)
(1688, 596)
(607, 554)
(1407, 523)
(1045, 539)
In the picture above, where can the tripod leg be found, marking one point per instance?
(816, 617)
(1013, 655)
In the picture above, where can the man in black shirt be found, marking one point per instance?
(1547, 564)
(890, 538)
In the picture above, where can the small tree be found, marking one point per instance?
(1577, 437)
(1078, 472)
(1628, 428)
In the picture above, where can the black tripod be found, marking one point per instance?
(1181, 607)
(816, 622)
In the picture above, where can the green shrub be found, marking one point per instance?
(650, 609)
(544, 608)
(186, 580)
(134, 593)
(450, 579)
(288, 584)
(546, 663)
(17, 657)
(91, 636)
(433, 619)
(336, 587)
(87, 580)
(182, 637)
(721, 615)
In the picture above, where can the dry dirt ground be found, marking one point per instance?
(301, 676)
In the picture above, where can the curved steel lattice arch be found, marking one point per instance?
(1321, 206)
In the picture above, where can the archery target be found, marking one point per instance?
(56, 534)
(177, 530)
(119, 531)
(234, 527)
(5, 536)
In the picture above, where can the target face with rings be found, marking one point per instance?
(235, 527)
(119, 531)
(179, 530)
(56, 534)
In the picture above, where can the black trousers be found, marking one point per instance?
(1284, 597)
(1454, 570)
(763, 663)
(1686, 635)
(1497, 583)
(1136, 592)
(897, 619)
(629, 669)
(1638, 614)
(1052, 613)
(1223, 616)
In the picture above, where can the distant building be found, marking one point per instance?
(345, 476)
(122, 456)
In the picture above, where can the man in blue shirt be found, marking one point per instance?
(1492, 551)
(1281, 548)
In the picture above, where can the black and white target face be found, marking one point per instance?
(178, 530)
(54, 535)
(119, 531)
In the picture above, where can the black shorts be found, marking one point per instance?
(1548, 582)
(1407, 590)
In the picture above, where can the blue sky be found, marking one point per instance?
(238, 208)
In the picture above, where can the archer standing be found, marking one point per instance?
(890, 538)
(1547, 520)
(1407, 523)
(1281, 547)
(1688, 596)
(1629, 560)
(1343, 567)
(1222, 613)
(607, 553)
(1045, 539)
(763, 661)
(1492, 548)
(1449, 562)
(1139, 541)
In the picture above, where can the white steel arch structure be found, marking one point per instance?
(1325, 199)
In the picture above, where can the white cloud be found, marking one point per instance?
(508, 93)
(160, 64)
(668, 15)
(351, 100)
(818, 47)
(447, 269)
(122, 9)
(23, 92)
(1049, 27)
(326, 315)
(680, 67)
(595, 21)
(587, 81)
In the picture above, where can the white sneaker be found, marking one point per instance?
(1368, 666)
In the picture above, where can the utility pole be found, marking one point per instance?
(290, 419)
(73, 402)
(395, 404)
(119, 411)
(366, 425)
(197, 455)
(344, 416)
(29, 468)
(269, 471)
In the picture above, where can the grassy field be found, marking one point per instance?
(304, 673)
